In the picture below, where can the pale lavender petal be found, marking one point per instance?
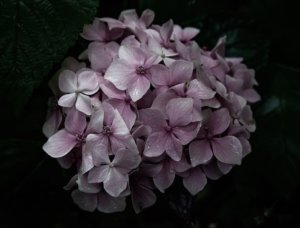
(67, 81)
(153, 118)
(118, 126)
(99, 174)
(85, 186)
(199, 90)
(88, 82)
(75, 122)
(60, 144)
(160, 75)
(179, 111)
(162, 100)
(228, 150)
(200, 152)
(147, 17)
(173, 148)
(96, 122)
(195, 181)
(109, 204)
(218, 121)
(126, 159)
(86, 201)
(134, 56)
(181, 71)
(98, 146)
(165, 178)
(110, 90)
(84, 104)
(67, 100)
(155, 144)
(138, 88)
(190, 32)
(187, 133)
(120, 73)
(115, 182)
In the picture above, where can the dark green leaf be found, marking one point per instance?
(34, 35)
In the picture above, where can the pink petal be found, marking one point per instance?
(187, 133)
(179, 111)
(60, 144)
(85, 186)
(134, 56)
(67, 81)
(99, 174)
(174, 148)
(200, 152)
(181, 71)
(160, 75)
(67, 100)
(196, 181)
(85, 201)
(120, 73)
(162, 100)
(115, 183)
(138, 88)
(218, 121)
(88, 82)
(52, 123)
(153, 118)
(189, 33)
(118, 126)
(96, 122)
(75, 122)
(155, 144)
(84, 104)
(199, 90)
(147, 17)
(224, 168)
(126, 159)
(98, 146)
(228, 150)
(165, 178)
(109, 204)
(110, 90)
(212, 171)
(125, 111)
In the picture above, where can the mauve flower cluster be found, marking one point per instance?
(145, 105)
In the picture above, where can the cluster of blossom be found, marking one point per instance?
(145, 105)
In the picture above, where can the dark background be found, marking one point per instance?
(264, 192)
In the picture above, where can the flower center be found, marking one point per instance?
(140, 70)
(80, 139)
(107, 130)
(168, 129)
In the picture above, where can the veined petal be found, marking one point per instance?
(173, 148)
(75, 122)
(99, 174)
(138, 88)
(84, 104)
(88, 82)
(218, 121)
(133, 55)
(153, 118)
(115, 183)
(200, 152)
(120, 73)
(60, 144)
(195, 181)
(67, 100)
(181, 71)
(67, 81)
(179, 111)
(228, 150)
(126, 159)
(155, 144)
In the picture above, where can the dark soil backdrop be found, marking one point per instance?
(264, 192)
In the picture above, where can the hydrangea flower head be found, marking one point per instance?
(148, 105)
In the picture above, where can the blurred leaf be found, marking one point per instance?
(35, 34)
